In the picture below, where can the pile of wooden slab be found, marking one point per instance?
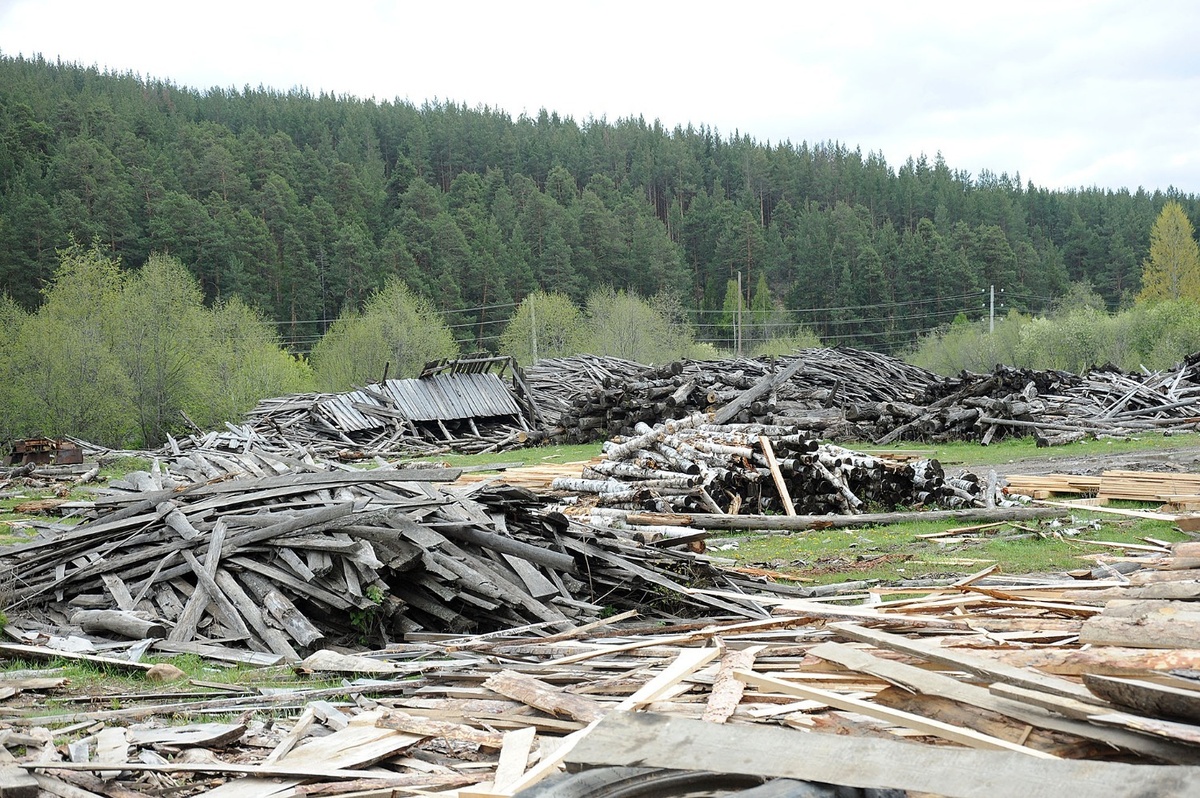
(981, 686)
(254, 552)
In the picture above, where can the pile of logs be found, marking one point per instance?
(692, 465)
(277, 556)
(558, 384)
(1055, 407)
(819, 383)
(846, 394)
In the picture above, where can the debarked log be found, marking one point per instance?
(776, 523)
(118, 622)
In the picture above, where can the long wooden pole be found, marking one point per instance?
(777, 523)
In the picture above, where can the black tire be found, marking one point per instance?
(622, 782)
(630, 782)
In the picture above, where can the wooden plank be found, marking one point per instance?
(514, 758)
(868, 763)
(957, 734)
(1149, 698)
(197, 603)
(776, 475)
(111, 746)
(727, 688)
(540, 695)
(992, 671)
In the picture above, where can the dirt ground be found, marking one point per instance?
(1184, 459)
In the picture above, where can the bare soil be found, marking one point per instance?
(1185, 459)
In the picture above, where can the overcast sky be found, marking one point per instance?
(1068, 94)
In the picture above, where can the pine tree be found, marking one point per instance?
(1172, 271)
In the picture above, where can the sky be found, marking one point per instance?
(1065, 93)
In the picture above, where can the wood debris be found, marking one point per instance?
(493, 713)
(298, 555)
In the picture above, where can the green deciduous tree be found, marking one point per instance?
(71, 382)
(12, 319)
(396, 329)
(163, 323)
(1172, 270)
(242, 362)
(621, 324)
(545, 325)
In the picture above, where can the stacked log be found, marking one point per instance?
(844, 394)
(1055, 407)
(821, 385)
(559, 383)
(691, 465)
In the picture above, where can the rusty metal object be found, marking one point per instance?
(44, 451)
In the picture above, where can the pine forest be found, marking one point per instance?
(294, 212)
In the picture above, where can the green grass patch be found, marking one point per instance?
(896, 552)
(534, 455)
(1013, 449)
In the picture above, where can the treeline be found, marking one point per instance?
(304, 205)
(125, 358)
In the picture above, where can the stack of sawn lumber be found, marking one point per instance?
(692, 465)
(301, 553)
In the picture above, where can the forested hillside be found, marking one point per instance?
(303, 205)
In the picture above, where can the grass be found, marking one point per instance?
(895, 552)
(535, 455)
(1012, 449)
(88, 685)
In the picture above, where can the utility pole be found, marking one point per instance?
(992, 312)
(739, 316)
(533, 329)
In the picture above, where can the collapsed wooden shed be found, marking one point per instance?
(468, 404)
